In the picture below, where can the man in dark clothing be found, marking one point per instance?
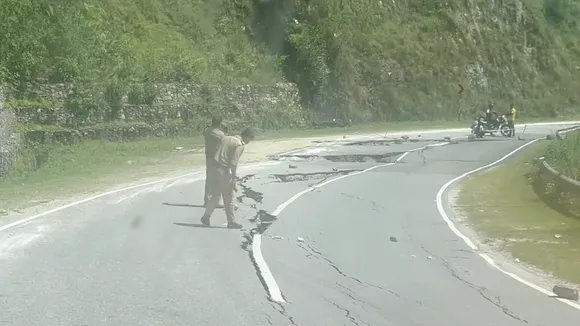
(213, 136)
(224, 168)
(491, 117)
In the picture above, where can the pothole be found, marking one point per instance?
(388, 142)
(295, 177)
(351, 158)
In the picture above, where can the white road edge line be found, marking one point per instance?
(54, 210)
(114, 191)
(271, 284)
(487, 258)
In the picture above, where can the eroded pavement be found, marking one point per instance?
(368, 249)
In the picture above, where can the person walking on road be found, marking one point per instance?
(213, 136)
(511, 118)
(224, 168)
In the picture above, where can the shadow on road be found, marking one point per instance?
(197, 225)
(183, 205)
(189, 205)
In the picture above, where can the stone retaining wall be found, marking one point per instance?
(9, 141)
(65, 114)
(266, 106)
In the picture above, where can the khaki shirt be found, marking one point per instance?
(212, 141)
(229, 151)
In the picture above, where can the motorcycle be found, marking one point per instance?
(480, 127)
(477, 128)
(503, 126)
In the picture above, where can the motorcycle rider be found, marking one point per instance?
(488, 123)
(491, 117)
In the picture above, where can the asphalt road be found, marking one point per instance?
(368, 249)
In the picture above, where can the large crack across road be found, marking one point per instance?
(248, 192)
(295, 177)
(388, 142)
(263, 220)
(353, 158)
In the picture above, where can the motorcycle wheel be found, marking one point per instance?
(505, 130)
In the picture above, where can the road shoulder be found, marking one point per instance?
(500, 212)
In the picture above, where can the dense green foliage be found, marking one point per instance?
(564, 155)
(365, 59)
(146, 40)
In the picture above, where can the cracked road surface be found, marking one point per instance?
(369, 249)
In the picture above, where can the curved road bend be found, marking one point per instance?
(368, 249)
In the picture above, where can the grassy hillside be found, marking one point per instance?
(366, 59)
(140, 40)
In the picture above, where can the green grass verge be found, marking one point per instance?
(503, 206)
(91, 166)
(564, 155)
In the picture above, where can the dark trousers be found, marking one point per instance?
(210, 179)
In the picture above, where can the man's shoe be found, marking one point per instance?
(234, 225)
(205, 221)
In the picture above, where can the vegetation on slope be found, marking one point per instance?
(365, 59)
(564, 155)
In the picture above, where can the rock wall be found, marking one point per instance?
(8, 140)
(73, 106)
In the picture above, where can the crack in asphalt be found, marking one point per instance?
(282, 310)
(269, 319)
(348, 314)
(494, 300)
(352, 158)
(349, 293)
(248, 192)
(295, 177)
(247, 246)
(376, 206)
(262, 219)
(317, 254)
(388, 142)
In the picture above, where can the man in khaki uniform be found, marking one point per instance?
(225, 168)
(213, 136)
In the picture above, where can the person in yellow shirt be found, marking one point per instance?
(511, 118)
